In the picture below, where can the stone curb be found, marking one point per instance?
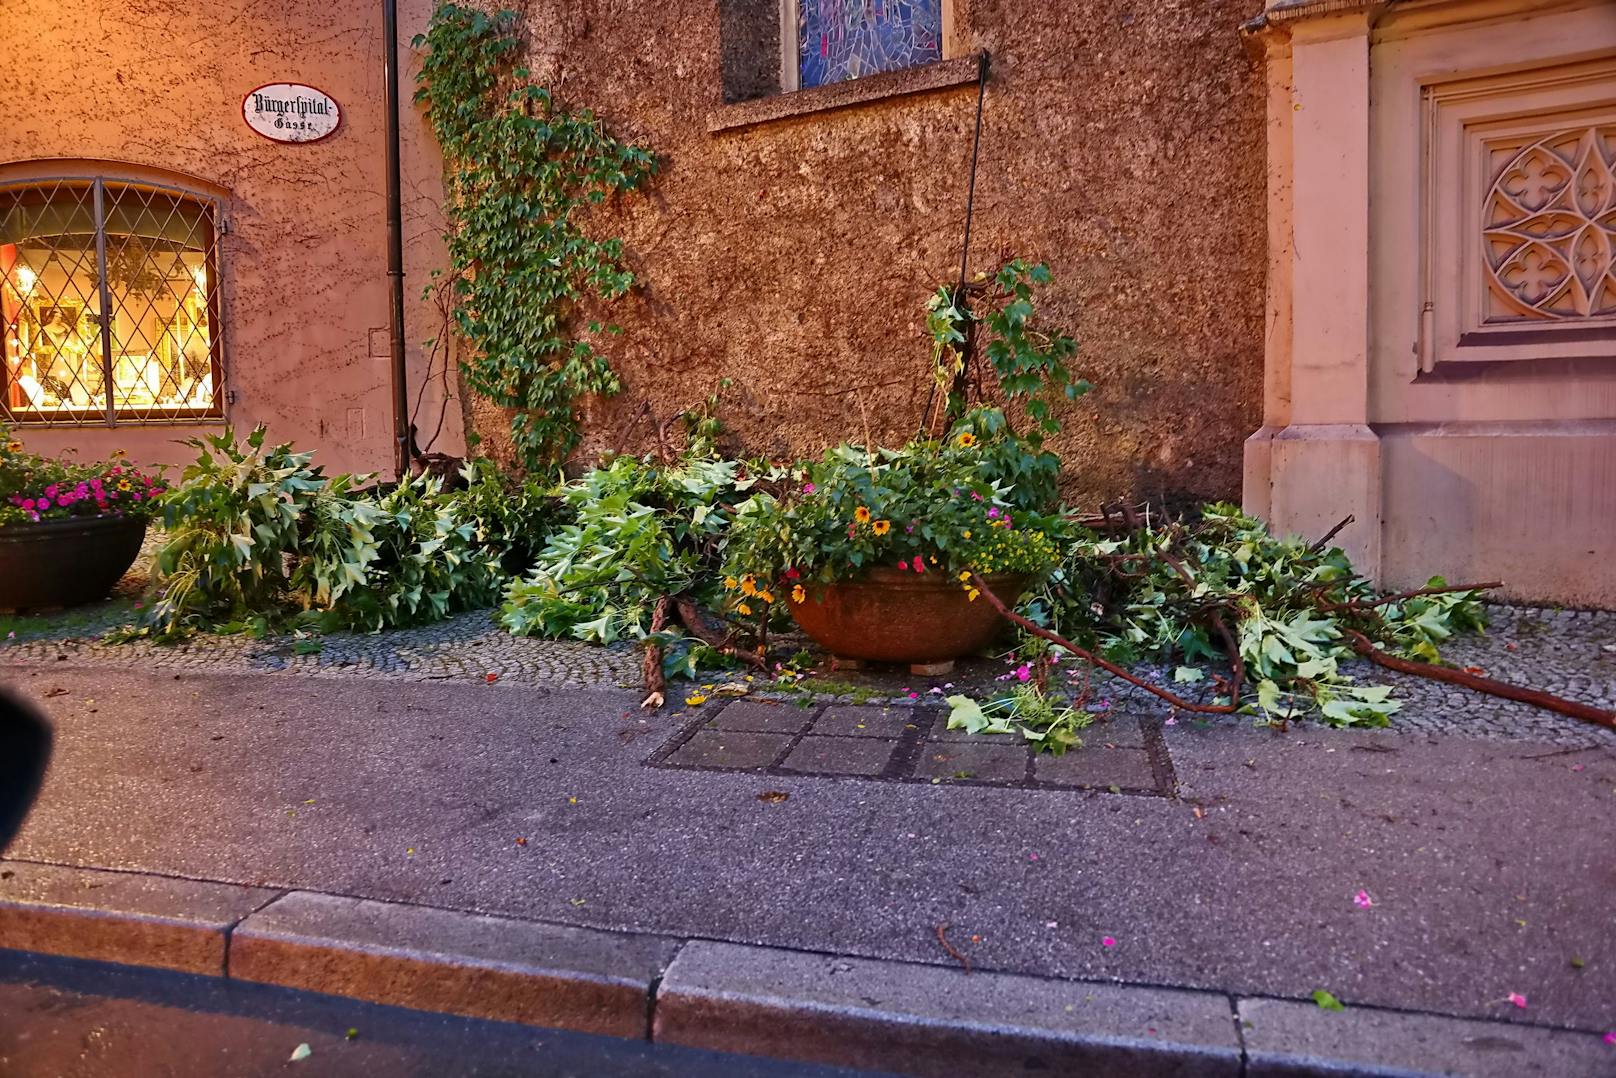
(459, 963)
(124, 917)
(900, 1017)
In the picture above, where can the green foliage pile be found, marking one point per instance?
(1160, 593)
(638, 531)
(259, 537)
(522, 171)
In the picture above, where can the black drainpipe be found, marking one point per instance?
(395, 244)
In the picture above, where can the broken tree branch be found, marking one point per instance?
(1363, 646)
(656, 682)
(1109, 667)
(1331, 534)
(696, 622)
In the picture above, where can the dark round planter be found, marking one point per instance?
(65, 562)
(900, 617)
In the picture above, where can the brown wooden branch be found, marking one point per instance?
(691, 616)
(1363, 646)
(656, 682)
(1366, 604)
(1109, 667)
(1331, 534)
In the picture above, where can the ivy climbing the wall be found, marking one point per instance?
(522, 169)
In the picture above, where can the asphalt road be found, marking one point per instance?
(1488, 863)
(61, 1018)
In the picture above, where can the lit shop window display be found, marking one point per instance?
(109, 298)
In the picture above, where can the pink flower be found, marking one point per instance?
(993, 514)
(1023, 672)
(808, 488)
(1108, 941)
(903, 565)
(1517, 999)
(1610, 1038)
(792, 574)
(920, 566)
(43, 504)
(1363, 900)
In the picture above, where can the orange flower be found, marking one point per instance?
(745, 610)
(862, 514)
(749, 584)
(798, 595)
(766, 596)
(967, 439)
(881, 527)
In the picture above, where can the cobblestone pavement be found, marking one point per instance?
(1567, 652)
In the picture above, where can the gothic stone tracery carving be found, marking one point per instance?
(1549, 227)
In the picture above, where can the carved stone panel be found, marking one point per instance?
(1549, 226)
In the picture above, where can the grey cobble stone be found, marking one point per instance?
(1567, 652)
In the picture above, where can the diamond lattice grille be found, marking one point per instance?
(108, 293)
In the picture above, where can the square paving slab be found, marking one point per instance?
(851, 720)
(841, 755)
(722, 748)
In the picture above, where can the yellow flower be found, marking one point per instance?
(966, 575)
(881, 527)
(749, 584)
(745, 610)
(967, 439)
(730, 583)
(695, 699)
(14, 447)
(798, 595)
(967, 533)
(862, 515)
(766, 596)
(972, 594)
(118, 454)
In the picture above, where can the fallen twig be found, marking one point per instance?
(656, 682)
(1331, 534)
(942, 937)
(1112, 668)
(1537, 698)
(695, 621)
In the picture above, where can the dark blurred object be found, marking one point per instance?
(25, 747)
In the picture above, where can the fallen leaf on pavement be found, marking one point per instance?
(772, 797)
(55, 692)
(300, 1053)
(1326, 1001)
(490, 677)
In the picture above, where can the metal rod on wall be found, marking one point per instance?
(395, 244)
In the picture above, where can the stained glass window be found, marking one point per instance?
(108, 304)
(845, 39)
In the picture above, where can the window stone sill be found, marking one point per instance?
(941, 75)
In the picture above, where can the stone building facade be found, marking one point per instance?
(1181, 165)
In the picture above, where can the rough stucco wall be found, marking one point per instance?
(159, 83)
(1123, 146)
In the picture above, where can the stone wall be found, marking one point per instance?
(157, 84)
(1123, 144)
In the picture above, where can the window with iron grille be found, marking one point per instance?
(110, 303)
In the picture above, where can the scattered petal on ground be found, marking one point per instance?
(1108, 941)
(1363, 900)
(1517, 999)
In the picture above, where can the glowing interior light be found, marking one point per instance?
(25, 279)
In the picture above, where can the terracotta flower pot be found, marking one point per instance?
(65, 562)
(889, 616)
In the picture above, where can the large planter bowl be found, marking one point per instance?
(65, 562)
(922, 619)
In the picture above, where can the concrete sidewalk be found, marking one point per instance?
(1229, 873)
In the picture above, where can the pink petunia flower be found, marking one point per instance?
(808, 488)
(1023, 672)
(920, 566)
